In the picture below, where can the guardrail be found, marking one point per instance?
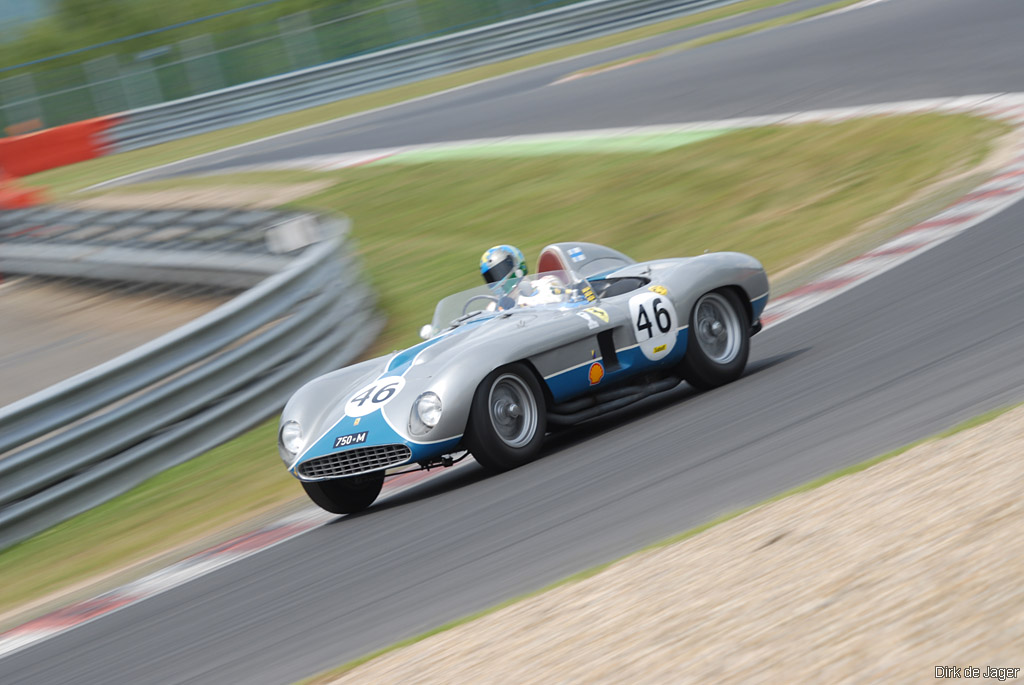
(100, 433)
(388, 68)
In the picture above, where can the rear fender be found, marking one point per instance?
(687, 280)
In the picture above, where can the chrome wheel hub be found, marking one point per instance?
(509, 411)
(513, 410)
(718, 328)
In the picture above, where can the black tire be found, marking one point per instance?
(345, 495)
(717, 342)
(507, 419)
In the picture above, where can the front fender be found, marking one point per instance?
(317, 405)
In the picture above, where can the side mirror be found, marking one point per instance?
(427, 331)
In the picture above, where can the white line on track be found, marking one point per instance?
(850, 8)
(120, 180)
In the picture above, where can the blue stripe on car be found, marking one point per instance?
(575, 380)
(402, 361)
(380, 431)
(757, 305)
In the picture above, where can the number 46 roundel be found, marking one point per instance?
(654, 324)
(372, 397)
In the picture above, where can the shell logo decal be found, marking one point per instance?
(660, 289)
(596, 373)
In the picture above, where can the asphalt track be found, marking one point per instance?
(913, 351)
(894, 50)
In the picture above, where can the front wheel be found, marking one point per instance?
(507, 419)
(345, 495)
(718, 341)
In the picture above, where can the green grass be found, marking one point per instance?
(168, 510)
(512, 148)
(778, 193)
(334, 673)
(721, 35)
(69, 179)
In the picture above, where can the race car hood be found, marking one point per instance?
(451, 365)
(519, 331)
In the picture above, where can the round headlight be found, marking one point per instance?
(428, 406)
(290, 438)
(426, 412)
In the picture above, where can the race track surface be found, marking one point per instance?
(890, 51)
(909, 353)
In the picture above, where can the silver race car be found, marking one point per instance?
(591, 332)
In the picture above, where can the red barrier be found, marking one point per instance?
(55, 147)
(14, 197)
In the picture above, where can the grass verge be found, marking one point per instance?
(69, 179)
(165, 512)
(329, 676)
(778, 193)
(716, 37)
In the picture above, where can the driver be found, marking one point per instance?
(504, 267)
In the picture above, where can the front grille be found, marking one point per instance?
(355, 461)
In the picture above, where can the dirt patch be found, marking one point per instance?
(879, 576)
(58, 330)
(53, 330)
(241, 196)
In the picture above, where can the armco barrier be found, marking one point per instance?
(96, 435)
(387, 68)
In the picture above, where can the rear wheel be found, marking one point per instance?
(718, 341)
(507, 419)
(345, 495)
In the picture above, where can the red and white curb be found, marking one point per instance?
(1003, 189)
(996, 194)
(207, 561)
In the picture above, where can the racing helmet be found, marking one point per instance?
(503, 265)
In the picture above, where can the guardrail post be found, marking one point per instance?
(140, 84)
(299, 40)
(104, 76)
(201, 65)
(21, 103)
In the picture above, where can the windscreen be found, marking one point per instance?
(547, 289)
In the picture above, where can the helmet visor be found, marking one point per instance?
(499, 270)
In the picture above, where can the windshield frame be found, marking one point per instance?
(449, 310)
